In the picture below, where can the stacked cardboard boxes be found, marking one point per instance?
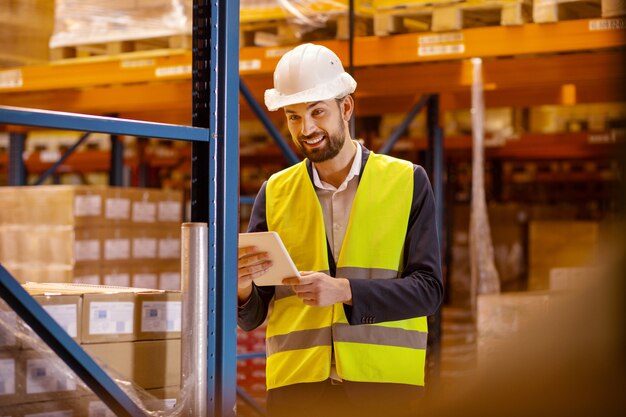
(93, 235)
(25, 29)
(134, 334)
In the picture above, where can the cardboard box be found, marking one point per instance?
(47, 377)
(170, 278)
(108, 317)
(10, 389)
(151, 207)
(65, 309)
(150, 364)
(116, 243)
(54, 273)
(116, 274)
(558, 244)
(61, 205)
(117, 205)
(159, 315)
(501, 316)
(8, 324)
(68, 407)
(165, 398)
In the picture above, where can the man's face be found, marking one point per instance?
(317, 129)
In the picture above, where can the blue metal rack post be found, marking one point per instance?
(17, 171)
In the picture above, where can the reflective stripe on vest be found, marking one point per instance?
(299, 337)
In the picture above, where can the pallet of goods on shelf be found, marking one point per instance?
(275, 22)
(99, 27)
(133, 333)
(447, 15)
(25, 29)
(547, 11)
(92, 234)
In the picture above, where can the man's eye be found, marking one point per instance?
(293, 117)
(318, 112)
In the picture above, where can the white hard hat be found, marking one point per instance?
(306, 74)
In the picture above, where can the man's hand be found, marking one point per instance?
(320, 290)
(252, 264)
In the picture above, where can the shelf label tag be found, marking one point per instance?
(250, 65)
(137, 63)
(172, 71)
(607, 24)
(443, 44)
(11, 79)
(276, 52)
(443, 38)
(431, 50)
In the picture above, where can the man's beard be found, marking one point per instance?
(331, 148)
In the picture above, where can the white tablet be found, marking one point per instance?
(282, 265)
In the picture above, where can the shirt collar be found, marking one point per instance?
(355, 169)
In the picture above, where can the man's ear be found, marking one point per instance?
(347, 108)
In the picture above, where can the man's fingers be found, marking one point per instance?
(254, 271)
(246, 250)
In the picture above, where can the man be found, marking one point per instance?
(349, 336)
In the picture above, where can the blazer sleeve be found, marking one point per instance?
(253, 312)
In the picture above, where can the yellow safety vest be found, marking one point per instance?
(300, 338)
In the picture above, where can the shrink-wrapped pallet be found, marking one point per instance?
(80, 22)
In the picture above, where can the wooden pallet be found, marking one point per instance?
(451, 16)
(279, 32)
(549, 11)
(120, 47)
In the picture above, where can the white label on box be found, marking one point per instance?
(145, 281)
(169, 403)
(99, 409)
(169, 211)
(44, 375)
(111, 317)
(87, 279)
(7, 377)
(144, 212)
(8, 320)
(87, 250)
(117, 208)
(161, 316)
(117, 280)
(169, 248)
(66, 413)
(116, 249)
(66, 315)
(144, 247)
(11, 79)
(170, 281)
(87, 205)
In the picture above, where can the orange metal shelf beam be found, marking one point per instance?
(142, 67)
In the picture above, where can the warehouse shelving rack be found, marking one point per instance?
(214, 195)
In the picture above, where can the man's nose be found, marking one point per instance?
(308, 126)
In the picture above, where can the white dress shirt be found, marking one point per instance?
(337, 202)
(336, 206)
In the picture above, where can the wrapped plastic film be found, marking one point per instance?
(23, 389)
(80, 22)
(303, 15)
(484, 275)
